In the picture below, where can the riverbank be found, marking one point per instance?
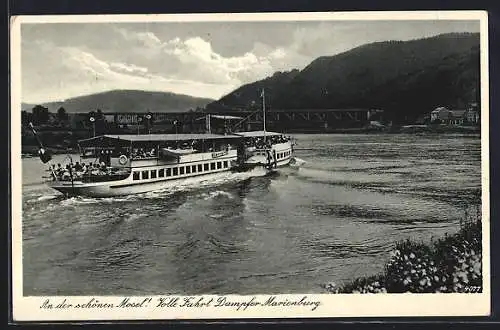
(450, 264)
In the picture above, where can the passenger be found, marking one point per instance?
(94, 170)
(78, 167)
(52, 172)
(66, 174)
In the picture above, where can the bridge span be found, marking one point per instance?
(276, 119)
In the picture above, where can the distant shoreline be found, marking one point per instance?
(29, 150)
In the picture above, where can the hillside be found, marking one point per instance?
(127, 101)
(405, 78)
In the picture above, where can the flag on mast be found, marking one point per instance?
(45, 155)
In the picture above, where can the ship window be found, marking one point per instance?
(169, 171)
(188, 169)
(136, 175)
(200, 168)
(212, 166)
(225, 164)
(181, 170)
(205, 167)
(193, 168)
(175, 171)
(153, 174)
(219, 165)
(145, 175)
(161, 173)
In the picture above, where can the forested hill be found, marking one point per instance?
(405, 78)
(127, 101)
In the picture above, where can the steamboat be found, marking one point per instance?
(115, 165)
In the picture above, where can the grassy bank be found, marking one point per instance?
(450, 264)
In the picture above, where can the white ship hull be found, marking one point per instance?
(126, 187)
(212, 166)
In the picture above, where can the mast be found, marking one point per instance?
(208, 124)
(264, 113)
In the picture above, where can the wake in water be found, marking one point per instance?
(187, 185)
(217, 193)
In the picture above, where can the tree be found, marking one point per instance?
(62, 116)
(25, 117)
(40, 115)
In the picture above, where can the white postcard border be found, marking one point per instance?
(330, 305)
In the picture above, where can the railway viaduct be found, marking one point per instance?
(275, 118)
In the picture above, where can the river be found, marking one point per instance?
(334, 219)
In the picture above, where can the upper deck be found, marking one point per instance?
(126, 140)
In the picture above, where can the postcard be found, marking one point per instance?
(258, 165)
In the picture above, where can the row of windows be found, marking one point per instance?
(279, 155)
(179, 170)
(285, 154)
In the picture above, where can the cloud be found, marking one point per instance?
(70, 71)
(147, 38)
(200, 61)
(129, 68)
(194, 58)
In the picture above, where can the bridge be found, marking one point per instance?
(276, 119)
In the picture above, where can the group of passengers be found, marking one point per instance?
(143, 153)
(77, 170)
(261, 143)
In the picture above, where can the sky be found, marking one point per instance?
(203, 59)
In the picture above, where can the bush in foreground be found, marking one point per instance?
(450, 264)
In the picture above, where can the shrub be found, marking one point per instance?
(450, 264)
